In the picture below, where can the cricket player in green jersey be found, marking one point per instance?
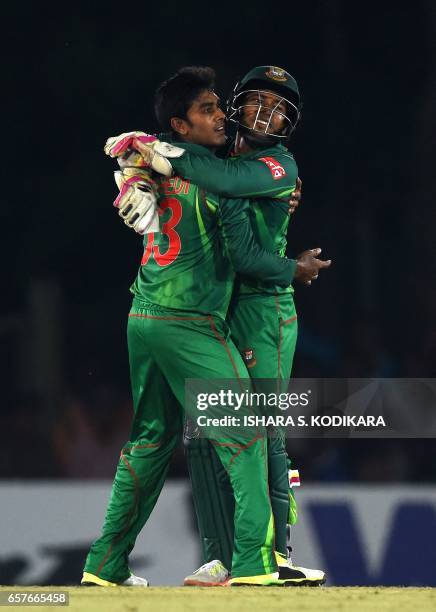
(263, 321)
(177, 330)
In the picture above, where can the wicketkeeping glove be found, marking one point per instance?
(154, 153)
(137, 200)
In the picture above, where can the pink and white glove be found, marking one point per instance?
(153, 153)
(137, 200)
(117, 146)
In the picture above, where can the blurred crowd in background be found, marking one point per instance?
(92, 427)
(365, 150)
(79, 432)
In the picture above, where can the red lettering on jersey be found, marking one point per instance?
(168, 229)
(186, 185)
(166, 185)
(174, 186)
(174, 242)
(148, 249)
(276, 169)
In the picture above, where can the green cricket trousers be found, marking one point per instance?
(165, 348)
(264, 329)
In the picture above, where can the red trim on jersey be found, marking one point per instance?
(105, 558)
(281, 323)
(135, 502)
(276, 169)
(131, 513)
(255, 439)
(129, 467)
(226, 347)
(212, 326)
(243, 447)
(276, 299)
(233, 444)
(142, 316)
(240, 447)
(291, 320)
(155, 445)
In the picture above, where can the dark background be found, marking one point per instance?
(74, 75)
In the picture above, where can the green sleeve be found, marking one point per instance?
(269, 176)
(245, 254)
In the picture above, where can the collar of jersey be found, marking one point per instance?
(256, 152)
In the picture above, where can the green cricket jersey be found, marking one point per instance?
(190, 263)
(268, 177)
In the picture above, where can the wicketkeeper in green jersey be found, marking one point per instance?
(177, 330)
(265, 105)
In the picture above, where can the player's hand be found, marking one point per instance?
(295, 199)
(137, 200)
(157, 154)
(118, 145)
(154, 153)
(131, 159)
(308, 266)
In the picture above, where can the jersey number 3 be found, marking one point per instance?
(168, 228)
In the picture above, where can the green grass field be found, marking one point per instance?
(244, 599)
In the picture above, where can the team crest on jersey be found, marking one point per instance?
(249, 358)
(276, 169)
(276, 74)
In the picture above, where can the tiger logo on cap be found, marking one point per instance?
(276, 74)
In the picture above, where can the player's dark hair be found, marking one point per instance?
(174, 97)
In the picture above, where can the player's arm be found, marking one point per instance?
(249, 259)
(245, 254)
(266, 176)
(273, 177)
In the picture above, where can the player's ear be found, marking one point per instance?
(179, 126)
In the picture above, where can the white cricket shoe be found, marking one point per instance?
(210, 574)
(135, 581)
(132, 581)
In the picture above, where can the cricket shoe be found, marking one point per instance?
(262, 580)
(210, 574)
(294, 575)
(131, 581)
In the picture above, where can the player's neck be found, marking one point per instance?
(190, 140)
(241, 146)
